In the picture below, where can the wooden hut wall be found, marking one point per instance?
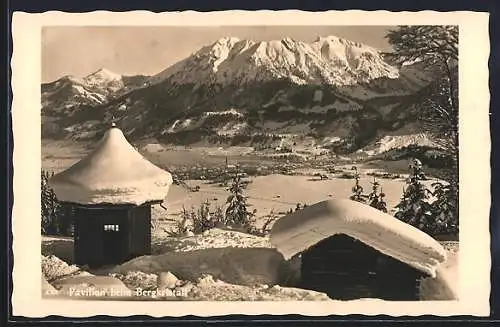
(87, 240)
(347, 269)
(139, 237)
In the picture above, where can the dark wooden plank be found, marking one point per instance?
(345, 269)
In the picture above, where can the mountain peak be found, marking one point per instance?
(104, 74)
(227, 40)
(288, 39)
(330, 60)
(338, 41)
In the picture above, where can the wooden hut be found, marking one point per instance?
(349, 250)
(111, 192)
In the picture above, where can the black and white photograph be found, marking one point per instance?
(251, 163)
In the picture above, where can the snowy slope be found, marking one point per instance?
(410, 134)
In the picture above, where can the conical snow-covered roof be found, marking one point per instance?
(114, 173)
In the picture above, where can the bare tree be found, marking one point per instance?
(434, 47)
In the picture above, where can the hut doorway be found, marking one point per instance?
(101, 235)
(347, 269)
(112, 243)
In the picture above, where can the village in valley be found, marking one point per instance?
(264, 205)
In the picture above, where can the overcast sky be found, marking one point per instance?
(80, 51)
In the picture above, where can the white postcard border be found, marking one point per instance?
(474, 164)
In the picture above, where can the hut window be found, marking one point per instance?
(113, 228)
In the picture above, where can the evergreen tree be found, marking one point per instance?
(415, 207)
(237, 213)
(52, 215)
(445, 208)
(376, 197)
(357, 189)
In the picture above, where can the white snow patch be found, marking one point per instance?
(232, 111)
(153, 147)
(208, 289)
(138, 279)
(390, 142)
(47, 288)
(330, 140)
(79, 88)
(231, 129)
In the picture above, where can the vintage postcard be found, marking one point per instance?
(315, 163)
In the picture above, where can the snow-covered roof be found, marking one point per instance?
(297, 232)
(114, 173)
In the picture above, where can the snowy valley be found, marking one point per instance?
(224, 176)
(342, 94)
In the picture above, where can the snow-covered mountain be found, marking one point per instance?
(104, 79)
(328, 60)
(67, 94)
(235, 91)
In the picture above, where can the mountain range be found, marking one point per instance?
(333, 92)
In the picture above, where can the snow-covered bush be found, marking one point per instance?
(198, 220)
(204, 219)
(181, 227)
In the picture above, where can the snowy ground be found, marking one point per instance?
(218, 265)
(275, 193)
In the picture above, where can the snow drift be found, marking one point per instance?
(242, 266)
(301, 230)
(54, 268)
